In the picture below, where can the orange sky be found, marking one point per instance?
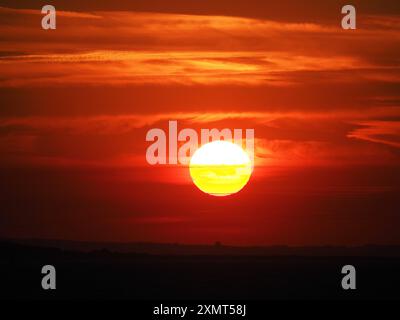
(76, 104)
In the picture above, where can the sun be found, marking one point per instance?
(220, 168)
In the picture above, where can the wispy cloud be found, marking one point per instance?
(29, 12)
(385, 132)
(290, 139)
(186, 68)
(123, 48)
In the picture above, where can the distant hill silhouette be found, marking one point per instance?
(169, 272)
(216, 249)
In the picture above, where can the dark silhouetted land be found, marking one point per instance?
(159, 271)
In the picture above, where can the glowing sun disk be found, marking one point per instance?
(220, 168)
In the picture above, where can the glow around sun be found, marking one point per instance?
(220, 168)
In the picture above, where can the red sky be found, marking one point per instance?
(76, 104)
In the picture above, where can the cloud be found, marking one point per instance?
(282, 139)
(7, 12)
(131, 48)
(185, 68)
(106, 124)
(384, 132)
(300, 84)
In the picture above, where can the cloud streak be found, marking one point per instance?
(185, 68)
(131, 48)
(384, 132)
(282, 139)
